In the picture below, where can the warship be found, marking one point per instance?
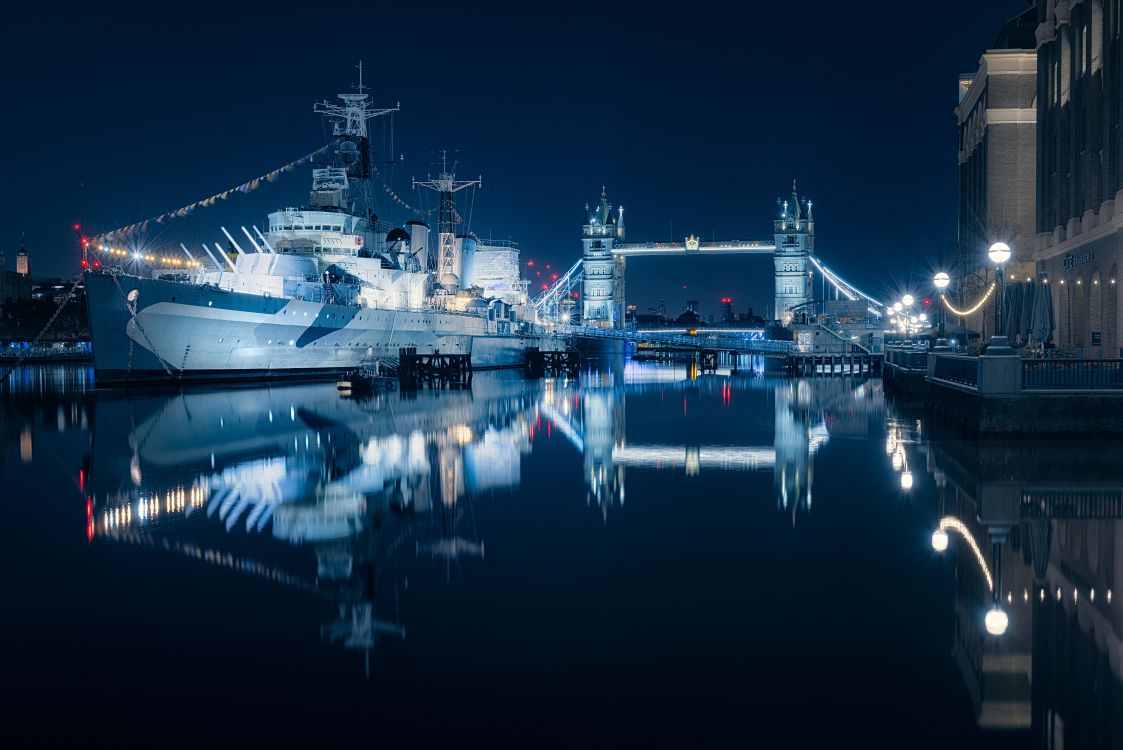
(323, 289)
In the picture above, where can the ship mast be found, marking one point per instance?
(349, 121)
(351, 117)
(448, 264)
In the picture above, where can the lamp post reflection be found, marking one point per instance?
(1036, 641)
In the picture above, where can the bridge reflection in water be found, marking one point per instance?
(358, 507)
(362, 482)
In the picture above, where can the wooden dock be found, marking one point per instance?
(810, 365)
(539, 363)
(435, 370)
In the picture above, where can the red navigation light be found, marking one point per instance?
(927, 301)
(545, 286)
(530, 263)
(547, 266)
(77, 227)
(85, 242)
(97, 264)
(84, 263)
(554, 277)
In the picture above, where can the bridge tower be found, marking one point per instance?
(602, 294)
(795, 244)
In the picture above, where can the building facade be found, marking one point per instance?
(1080, 174)
(997, 124)
(14, 286)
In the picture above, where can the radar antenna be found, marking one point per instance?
(448, 261)
(351, 117)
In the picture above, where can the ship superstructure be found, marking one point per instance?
(321, 288)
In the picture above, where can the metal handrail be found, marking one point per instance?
(1068, 374)
(957, 369)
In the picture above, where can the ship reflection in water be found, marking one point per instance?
(639, 531)
(359, 481)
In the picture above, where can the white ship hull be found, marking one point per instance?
(169, 331)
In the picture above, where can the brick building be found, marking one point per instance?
(997, 164)
(1080, 172)
(13, 286)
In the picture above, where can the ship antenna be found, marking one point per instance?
(360, 87)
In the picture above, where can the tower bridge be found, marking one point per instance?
(598, 277)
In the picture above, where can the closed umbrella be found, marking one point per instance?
(1013, 296)
(1025, 328)
(1043, 320)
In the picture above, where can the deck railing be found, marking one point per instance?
(1068, 374)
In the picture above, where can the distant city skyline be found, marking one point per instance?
(701, 140)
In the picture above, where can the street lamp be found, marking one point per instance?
(906, 302)
(999, 253)
(942, 280)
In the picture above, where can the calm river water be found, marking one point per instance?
(631, 558)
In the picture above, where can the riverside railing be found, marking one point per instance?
(1068, 374)
(910, 359)
(957, 369)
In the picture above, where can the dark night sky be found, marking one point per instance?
(698, 120)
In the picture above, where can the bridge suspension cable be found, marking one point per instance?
(548, 302)
(847, 289)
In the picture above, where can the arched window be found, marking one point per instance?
(1064, 314)
(1110, 315)
(1095, 313)
(1065, 75)
(1096, 33)
(1078, 313)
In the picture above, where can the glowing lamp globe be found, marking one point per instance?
(922, 317)
(906, 481)
(897, 306)
(996, 621)
(939, 540)
(999, 253)
(941, 280)
(907, 300)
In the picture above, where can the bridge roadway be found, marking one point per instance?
(725, 457)
(752, 342)
(733, 247)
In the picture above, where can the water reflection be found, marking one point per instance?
(42, 399)
(1034, 532)
(210, 474)
(605, 496)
